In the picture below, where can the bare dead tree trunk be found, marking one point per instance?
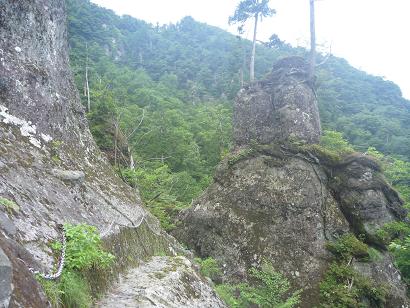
(252, 64)
(86, 79)
(312, 41)
(132, 164)
(116, 124)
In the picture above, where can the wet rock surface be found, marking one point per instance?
(161, 282)
(280, 107)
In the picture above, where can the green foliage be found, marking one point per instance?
(334, 141)
(397, 172)
(84, 249)
(248, 9)
(164, 193)
(169, 91)
(83, 252)
(10, 206)
(52, 291)
(401, 252)
(393, 230)
(209, 268)
(268, 289)
(348, 246)
(343, 287)
(71, 290)
(374, 255)
(75, 291)
(198, 64)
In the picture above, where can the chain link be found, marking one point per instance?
(57, 274)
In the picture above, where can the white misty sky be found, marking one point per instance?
(370, 34)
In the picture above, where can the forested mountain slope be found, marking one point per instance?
(161, 100)
(200, 63)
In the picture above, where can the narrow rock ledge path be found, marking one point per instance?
(161, 282)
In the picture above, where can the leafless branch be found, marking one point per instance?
(139, 124)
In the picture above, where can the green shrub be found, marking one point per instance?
(348, 246)
(52, 291)
(400, 249)
(374, 255)
(344, 287)
(335, 142)
(267, 288)
(393, 230)
(84, 248)
(209, 268)
(83, 251)
(75, 291)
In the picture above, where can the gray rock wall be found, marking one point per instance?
(51, 171)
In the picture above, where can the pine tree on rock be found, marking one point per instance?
(246, 10)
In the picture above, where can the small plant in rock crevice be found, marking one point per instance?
(210, 268)
(83, 252)
(10, 206)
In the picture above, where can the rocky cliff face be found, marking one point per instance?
(280, 107)
(283, 203)
(51, 171)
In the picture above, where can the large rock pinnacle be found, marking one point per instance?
(280, 107)
(278, 201)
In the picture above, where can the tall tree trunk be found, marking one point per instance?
(252, 64)
(86, 80)
(312, 41)
(115, 146)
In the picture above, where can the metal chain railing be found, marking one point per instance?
(61, 260)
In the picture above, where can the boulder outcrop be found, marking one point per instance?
(279, 198)
(284, 204)
(280, 107)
